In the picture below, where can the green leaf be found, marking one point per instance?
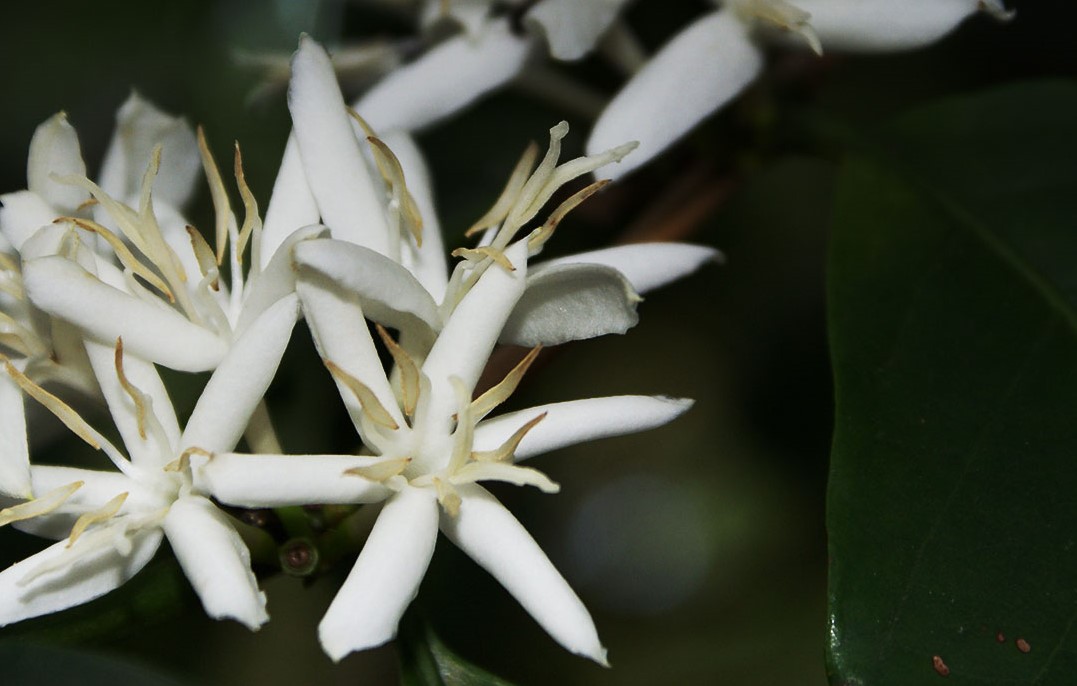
(426, 661)
(953, 320)
(30, 664)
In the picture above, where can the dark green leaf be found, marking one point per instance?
(426, 661)
(953, 490)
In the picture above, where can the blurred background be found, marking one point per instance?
(698, 547)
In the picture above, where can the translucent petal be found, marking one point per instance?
(216, 561)
(291, 206)
(386, 576)
(491, 536)
(241, 379)
(54, 149)
(570, 302)
(646, 265)
(283, 480)
(576, 421)
(572, 27)
(334, 164)
(699, 70)
(94, 575)
(445, 80)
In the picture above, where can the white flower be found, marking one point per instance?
(114, 521)
(431, 445)
(713, 59)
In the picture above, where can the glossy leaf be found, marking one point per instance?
(953, 324)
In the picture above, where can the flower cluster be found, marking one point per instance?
(102, 281)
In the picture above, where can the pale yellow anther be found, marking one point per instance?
(498, 394)
(252, 223)
(222, 208)
(39, 506)
(447, 497)
(393, 174)
(369, 402)
(62, 410)
(9, 265)
(381, 471)
(542, 234)
(137, 396)
(183, 462)
(783, 15)
(409, 371)
(501, 471)
(99, 515)
(485, 252)
(506, 451)
(207, 261)
(123, 253)
(510, 194)
(86, 204)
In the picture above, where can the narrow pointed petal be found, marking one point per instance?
(23, 213)
(14, 453)
(426, 262)
(140, 126)
(385, 578)
(881, 25)
(91, 577)
(340, 332)
(576, 421)
(388, 293)
(445, 80)
(465, 343)
(291, 206)
(334, 164)
(699, 70)
(65, 290)
(241, 379)
(98, 487)
(572, 27)
(571, 302)
(646, 265)
(216, 561)
(284, 480)
(277, 279)
(54, 149)
(146, 450)
(491, 536)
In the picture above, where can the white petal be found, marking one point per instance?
(93, 576)
(464, 345)
(697, 72)
(23, 213)
(65, 290)
(337, 173)
(386, 576)
(54, 149)
(491, 536)
(572, 27)
(340, 333)
(388, 293)
(14, 453)
(216, 561)
(291, 206)
(277, 278)
(241, 379)
(571, 302)
(445, 80)
(646, 265)
(151, 451)
(881, 25)
(284, 480)
(98, 487)
(576, 421)
(140, 126)
(426, 262)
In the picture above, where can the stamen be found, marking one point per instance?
(448, 497)
(19, 338)
(62, 410)
(126, 257)
(534, 189)
(252, 223)
(393, 174)
(464, 435)
(137, 396)
(369, 402)
(539, 236)
(207, 261)
(509, 473)
(509, 195)
(183, 462)
(506, 451)
(498, 394)
(99, 515)
(381, 471)
(409, 371)
(39, 506)
(222, 208)
(485, 252)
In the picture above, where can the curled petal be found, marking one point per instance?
(491, 536)
(701, 69)
(386, 576)
(576, 421)
(215, 561)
